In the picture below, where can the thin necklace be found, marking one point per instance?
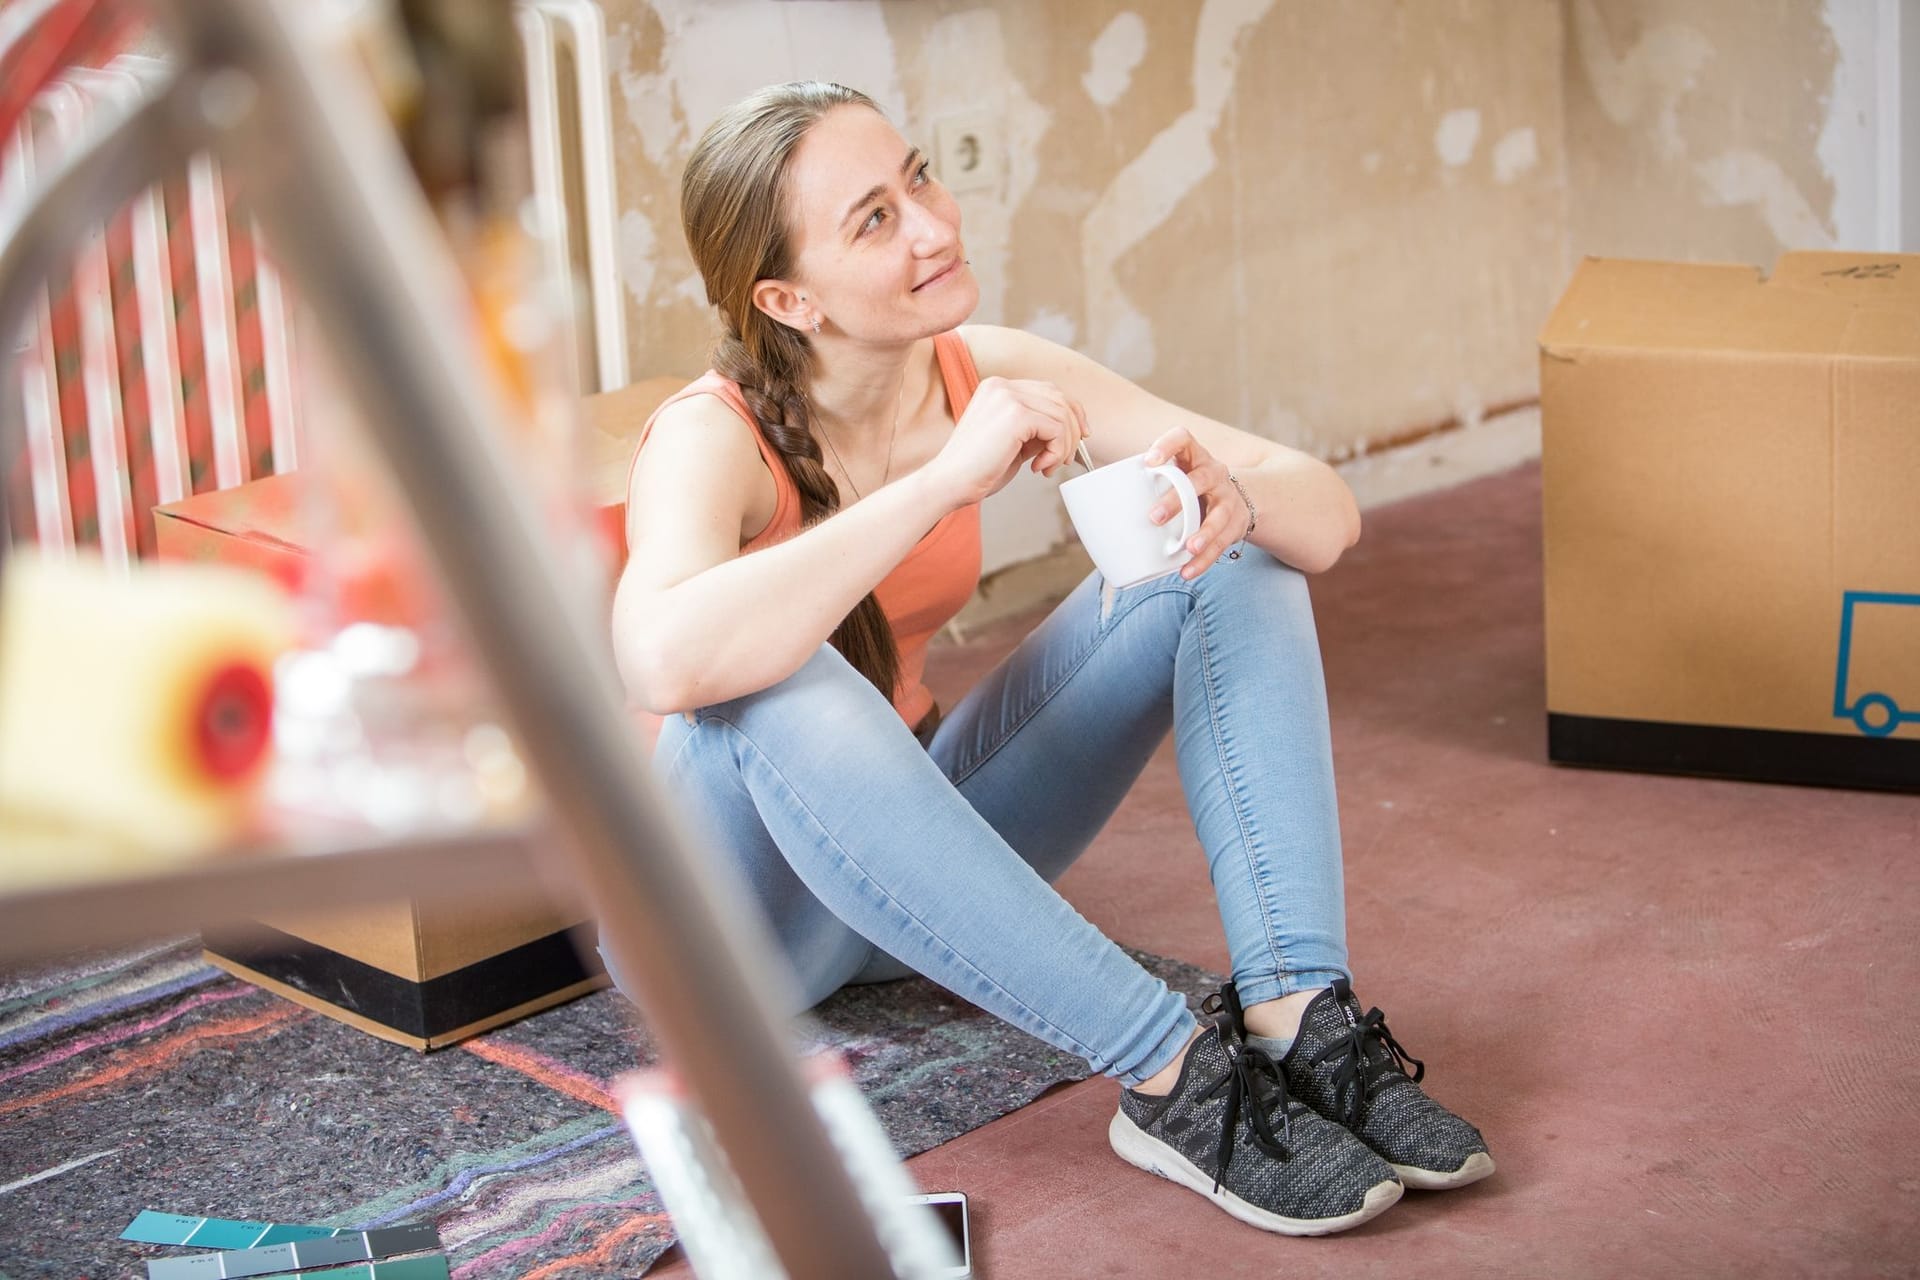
(886, 474)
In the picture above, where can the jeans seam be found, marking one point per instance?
(686, 741)
(888, 898)
(1229, 779)
(1020, 722)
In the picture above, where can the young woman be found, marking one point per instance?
(804, 517)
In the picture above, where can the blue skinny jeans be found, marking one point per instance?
(871, 856)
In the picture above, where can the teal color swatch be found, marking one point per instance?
(432, 1267)
(154, 1227)
(286, 1233)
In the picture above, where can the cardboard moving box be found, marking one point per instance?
(424, 975)
(419, 974)
(1731, 467)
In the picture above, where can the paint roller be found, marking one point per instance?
(136, 705)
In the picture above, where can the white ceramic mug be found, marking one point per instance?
(1110, 510)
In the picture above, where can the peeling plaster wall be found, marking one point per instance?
(1726, 129)
(1379, 239)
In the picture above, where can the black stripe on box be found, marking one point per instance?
(420, 1009)
(1753, 755)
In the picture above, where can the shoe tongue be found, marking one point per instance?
(1208, 1056)
(1332, 1015)
(1347, 1007)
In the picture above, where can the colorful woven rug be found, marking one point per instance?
(148, 1079)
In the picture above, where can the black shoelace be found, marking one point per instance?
(1367, 1053)
(1252, 1077)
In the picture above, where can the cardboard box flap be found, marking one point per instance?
(267, 510)
(1814, 304)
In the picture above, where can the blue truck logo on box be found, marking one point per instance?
(1876, 698)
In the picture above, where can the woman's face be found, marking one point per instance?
(877, 240)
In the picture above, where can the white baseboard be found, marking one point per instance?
(1445, 458)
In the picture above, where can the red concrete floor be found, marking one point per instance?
(1682, 1011)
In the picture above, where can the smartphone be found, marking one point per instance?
(951, 1208)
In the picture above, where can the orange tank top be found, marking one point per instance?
(928, 587)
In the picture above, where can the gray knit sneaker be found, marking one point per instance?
(1348, 1067)
(1274, 1164)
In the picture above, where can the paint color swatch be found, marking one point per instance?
(432, 1267)
(154, 1227)
(296, 1255)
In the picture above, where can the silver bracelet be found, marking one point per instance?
(1253, 516)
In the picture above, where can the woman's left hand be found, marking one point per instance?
(1223, 513)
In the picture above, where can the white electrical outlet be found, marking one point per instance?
(968, 151)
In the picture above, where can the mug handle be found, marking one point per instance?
(1189, 504)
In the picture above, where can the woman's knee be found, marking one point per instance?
(1256, 578)
(826, 694)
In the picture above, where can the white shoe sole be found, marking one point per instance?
(1145, 1151)
(1478, 1166)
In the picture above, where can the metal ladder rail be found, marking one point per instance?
(325, 178)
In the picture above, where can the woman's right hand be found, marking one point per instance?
(1008, 423)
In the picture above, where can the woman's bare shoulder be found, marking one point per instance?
(702, 415)
(699, 454)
